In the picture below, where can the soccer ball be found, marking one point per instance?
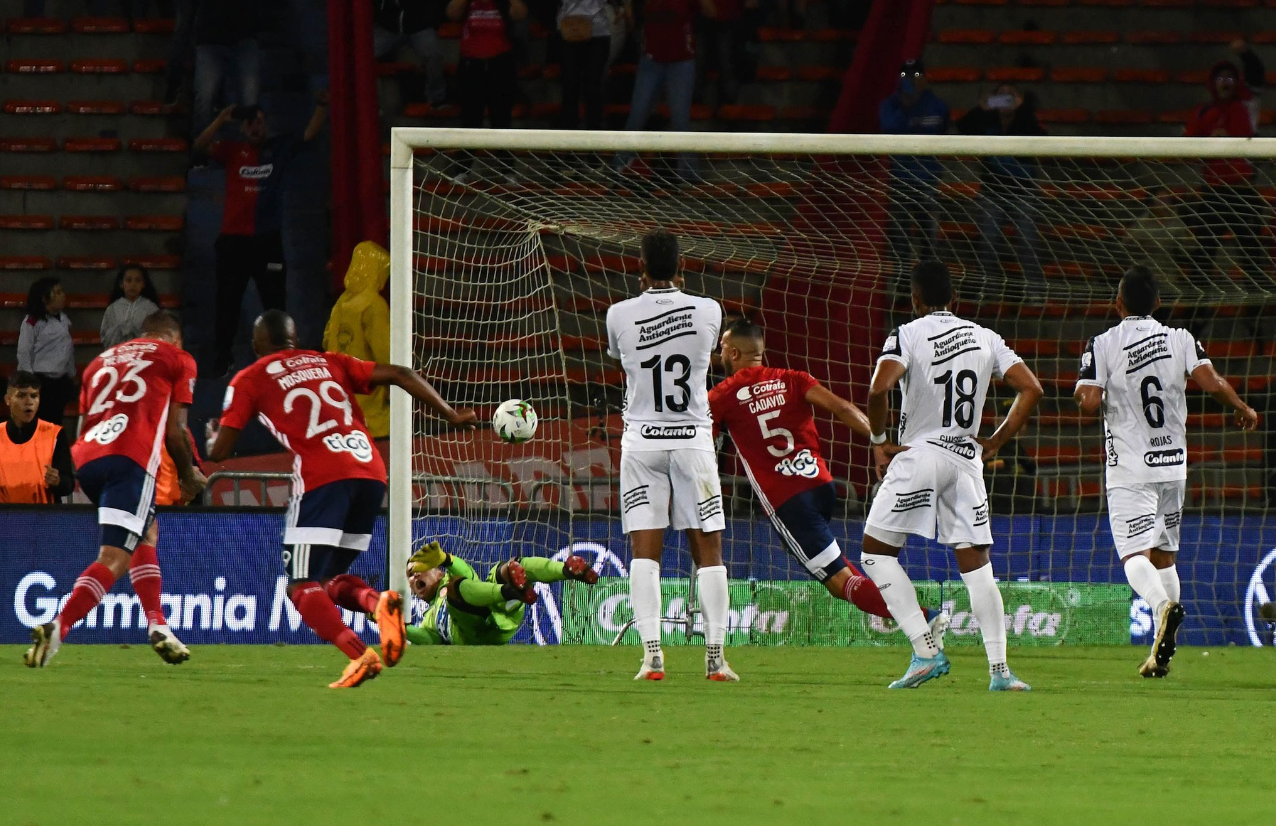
(515, 421)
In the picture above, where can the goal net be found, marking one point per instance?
(509, 247)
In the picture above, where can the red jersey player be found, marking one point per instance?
(134, 400)
(306, 399)
(767, 411)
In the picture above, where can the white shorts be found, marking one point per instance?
(663, 487)
(1146, 517)
(926, 495)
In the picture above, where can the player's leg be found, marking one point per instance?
(144, 571)
(697, 509)
(119, 487)
(644, 515)
(905, 503)
(963, 522)
(1137, 529)
(850, 584)
(312, 535)
(573, 567)
(496, 594)
(1169, 517)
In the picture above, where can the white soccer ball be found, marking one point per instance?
(515, 421)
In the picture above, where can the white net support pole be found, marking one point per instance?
(401, 264)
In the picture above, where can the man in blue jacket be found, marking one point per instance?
(913, 110)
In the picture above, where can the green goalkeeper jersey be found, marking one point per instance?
(445, 624)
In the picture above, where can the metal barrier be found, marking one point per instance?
(238, 477)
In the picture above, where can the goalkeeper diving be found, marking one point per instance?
(466, 610)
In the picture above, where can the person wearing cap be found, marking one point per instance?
(913, 109)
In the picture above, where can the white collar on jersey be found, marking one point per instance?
(662, 290)
(940, 312)
(1136, 318)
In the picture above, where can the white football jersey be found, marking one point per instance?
(1142, 367)
(664, 339)
(949, 363)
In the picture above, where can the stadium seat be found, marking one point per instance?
(154, 262)
(959, 37)
(92, 183)
(158, 145)
(1154, 38)
(156, 25)
(1109, 3)
(834, 35)
(152, 108)
(1124, 117)
(1027, 38)
(1141, 76)
(956, 74)
(28, 145)
(86, 262)
(88, 223)
(91, 145)
(154, 223)
(35, 25)
(1213, 38)
(1070, 116)
(1079, 74)
(165, 184)
(25, 262)
(32, 222)
(39, 183)
(32, 107)
(35, 67)
(95, 107)
(100, 25)
(818, 73)
(1016, 74)
(106, 66)
(1090, 38)
(150, 67)
(1196, 77)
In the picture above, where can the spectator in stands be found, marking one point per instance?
(132, 299)
(669, 60)
(250, 244)
(45, 348)
(723, 41)
(1008, 188)
(488, 73)
(1162, 240)
(585, 28)
(1228, 201)
(416, 23)
(35, 455)
(179, 50)
(1254, 74)
(225, 44)
(913, 110)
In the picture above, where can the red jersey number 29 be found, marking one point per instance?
(329, 392)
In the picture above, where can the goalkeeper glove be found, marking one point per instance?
(428, 557)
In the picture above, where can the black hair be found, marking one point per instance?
(931, 279)
(660, 254)
(148, 286)
(1139, 290)
(743, 328)
(23, 379)
(279, 327)
(38, 294)
(160, 323)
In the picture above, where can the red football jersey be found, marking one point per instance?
(125, 398)
(766, 411)
(306, 399)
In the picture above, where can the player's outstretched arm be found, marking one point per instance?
(421, 390)
(1214, 384)
(178, 443)
(1027, 394)
(846, 411)
(885, 377)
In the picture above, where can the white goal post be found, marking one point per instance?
(1114, 188)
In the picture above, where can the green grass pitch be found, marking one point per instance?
(519, 735)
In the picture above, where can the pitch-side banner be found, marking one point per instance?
(224, 579)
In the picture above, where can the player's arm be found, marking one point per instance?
(1088, 398)
(845, 411)
(1217, 386)
(885, 376)
(206, 137)
(178, 443)
(1090, 381)
(421, 390)
(1027, 393)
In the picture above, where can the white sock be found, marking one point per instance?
(1146, 581)
(990, 611)
(644, 597)
(897, 589)
(1170, 581)
(714, 604)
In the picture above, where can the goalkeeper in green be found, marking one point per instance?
(466, 610)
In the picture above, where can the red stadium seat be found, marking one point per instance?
(86, 262)
(91, 145)
(834, 35)
(1124, 117)
(966, 37)
(154, 223)
(1063, 116)
(32, 107)
(100, 25)
(36, 25)
(1079, 74)
(1090, 38)
(1215, 37)
(150, 67)
(158, 25)
(1028, 38)
(154, 262)
(158, 145)
(1196, 77)
(88, 223)
(92, 183)
(956, 74)
(107, 66)
(1141, 76)
(38, 183)
(25, 262)
(818, 73)
(165, 183)
(95, 107)
(28, 145)
(1016, 74)
(151, 108)
(1154, 38)
(26, 222)
(35, 67)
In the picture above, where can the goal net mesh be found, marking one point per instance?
(517, 256)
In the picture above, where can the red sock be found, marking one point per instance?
(862, 592)
(144, 570)
(353, 594)
(89, 589)
(325, 620)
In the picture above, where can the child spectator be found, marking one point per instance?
(46, 349)
(132, 299)
(488, 74)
